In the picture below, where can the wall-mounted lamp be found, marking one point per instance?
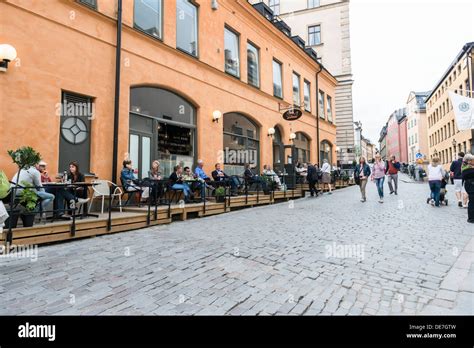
(7, 54)
(338, 149)
(214, 5)
(216, 115)
(292, 136)
(271, 132)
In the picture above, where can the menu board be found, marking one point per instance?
(174, 140)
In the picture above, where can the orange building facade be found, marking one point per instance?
(183, 64)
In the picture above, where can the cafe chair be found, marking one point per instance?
(101, 189)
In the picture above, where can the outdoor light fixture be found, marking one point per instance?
(214, 5)
(216, 115)
(271, 132)
(292, 136)
(7, 54)
(338, 149)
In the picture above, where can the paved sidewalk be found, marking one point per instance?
(325, 255)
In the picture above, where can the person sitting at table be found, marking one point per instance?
(302, 172)
(130, 182)
(203, 178)
(267, 170)
(44, 173)
(32, 177)
(78, 195)
(176, 183)
(219, 176)
(252, 178)
(154, 175)
(200, 172)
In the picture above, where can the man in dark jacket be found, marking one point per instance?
(219, 176)
(456, 176)
(252, 178)
(312, 178)
(468, 181)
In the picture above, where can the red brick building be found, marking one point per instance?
(397, 135)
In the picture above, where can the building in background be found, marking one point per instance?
(196, 82)
(417, 126)
(368, 149)
(397, 135)
(444, 137)
(383, 142)
(324, 26)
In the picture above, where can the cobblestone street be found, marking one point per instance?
(326, 255)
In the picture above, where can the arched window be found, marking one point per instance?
(325, 151)
(301, 143)
(162, 127)
(241, 143)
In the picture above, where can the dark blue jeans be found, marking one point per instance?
(435, 187)
(379, 183)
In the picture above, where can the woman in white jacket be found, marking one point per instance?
(435, 175)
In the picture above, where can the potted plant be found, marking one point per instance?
(220, 194)
(23, 157)
(28, 200)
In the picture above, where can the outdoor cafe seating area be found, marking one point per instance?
(112, 208)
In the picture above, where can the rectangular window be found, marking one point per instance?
(187, 27)
(313, 3)
(321, 104)
(329, 108)
(277, 80)
(231, 53)
(253, 65)
(307, 96)
(147, 17)
(296, 89)
(275, 6)
(90, 3)
(314, 35)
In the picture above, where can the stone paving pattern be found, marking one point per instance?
(269, 260)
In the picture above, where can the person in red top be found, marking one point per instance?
(392, 169)
(44, 173)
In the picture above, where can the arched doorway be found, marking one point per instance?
(162, 127)
(241, 143)
(278, 151)
(325, 152)
(302, 148)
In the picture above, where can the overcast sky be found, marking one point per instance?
(400, 46)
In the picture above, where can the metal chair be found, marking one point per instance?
(101, 189)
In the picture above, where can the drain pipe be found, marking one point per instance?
(118, 64)
(317, 114)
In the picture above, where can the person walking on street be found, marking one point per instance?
(362, 173)
(326, 169)
(312, 178)
(435, 175)
(456, 176)
(378, 175)
(392, 169)
(468, 181)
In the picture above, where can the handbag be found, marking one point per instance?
(357, 178)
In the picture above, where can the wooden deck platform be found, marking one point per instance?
(133, 218)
